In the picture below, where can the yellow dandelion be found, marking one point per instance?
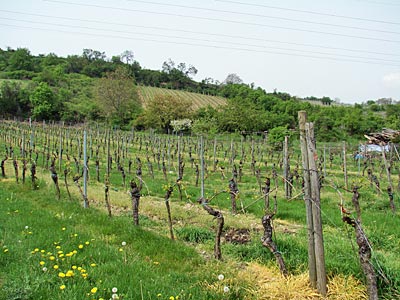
(159, 295)
(63, 228)
(52, 257)
(5, 250)
(61, 275)
(84, 275)
(80, 246)
(87, 243)
(73, 267)
(172, 298)
(42, 263)
(93, 265)
(62, 287)
(58, 247)
(74, 252)
(69, 273)
(55, 267)
(36, 250)
(93, 290)
(42, 251)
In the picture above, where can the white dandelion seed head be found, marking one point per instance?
(114, 296)
(114, 290)
(226, 289)
(44, 269)
(123, 243)
(221, 277)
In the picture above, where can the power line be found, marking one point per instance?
(203, 40)
(201, 45)
(264, 16)
(310, 12)
(203, 33)
(224, 20)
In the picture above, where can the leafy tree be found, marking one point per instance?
(241, 115)
(21, 59)
(233, 78)
(44, 103)
(163, 109)
(13, 99)
(117, 96)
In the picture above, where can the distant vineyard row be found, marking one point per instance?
(198, 100)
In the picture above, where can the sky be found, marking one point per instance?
(348, 50)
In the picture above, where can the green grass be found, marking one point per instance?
(149, 264)
(150, 255)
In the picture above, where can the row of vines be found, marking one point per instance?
(224, 174)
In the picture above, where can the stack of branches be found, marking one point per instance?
(387, 135)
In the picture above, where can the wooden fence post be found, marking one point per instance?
(302, 115)
(316, 211)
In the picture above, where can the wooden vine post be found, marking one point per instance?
(85, 171)
(316, 256)
(286, 167)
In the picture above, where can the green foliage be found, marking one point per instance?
(161, 110)
(117, 97)
(193, 234)
(44, 102)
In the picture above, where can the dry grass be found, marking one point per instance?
(268, 283)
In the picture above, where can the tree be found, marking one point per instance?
(117, 96)
(21, 59)
(12, 100)
(44, 103)
(127, 57)
(233, 79)
(163, 109)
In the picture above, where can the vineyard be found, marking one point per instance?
(185, 216)
(198, 100)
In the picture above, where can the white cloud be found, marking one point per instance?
(391, 80)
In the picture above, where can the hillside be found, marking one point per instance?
(198, 100)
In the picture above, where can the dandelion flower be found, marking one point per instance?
(172, 298)
(123, 243)
(87, 243)
(44, 269)
(62, 287)
(93, 290)
(226, 289)
(61, 275)
(159, 295)
(73, 267)
(63, 228)
(26, 227)
(69, 273)
(52, 257)
(93, 265)
(42, 263)
(221, 277)
(114, 296)
(80, 246)
(55, 267)
(114, 290)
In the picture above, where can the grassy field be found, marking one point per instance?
(142, 262)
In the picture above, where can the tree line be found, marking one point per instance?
(90, 86)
